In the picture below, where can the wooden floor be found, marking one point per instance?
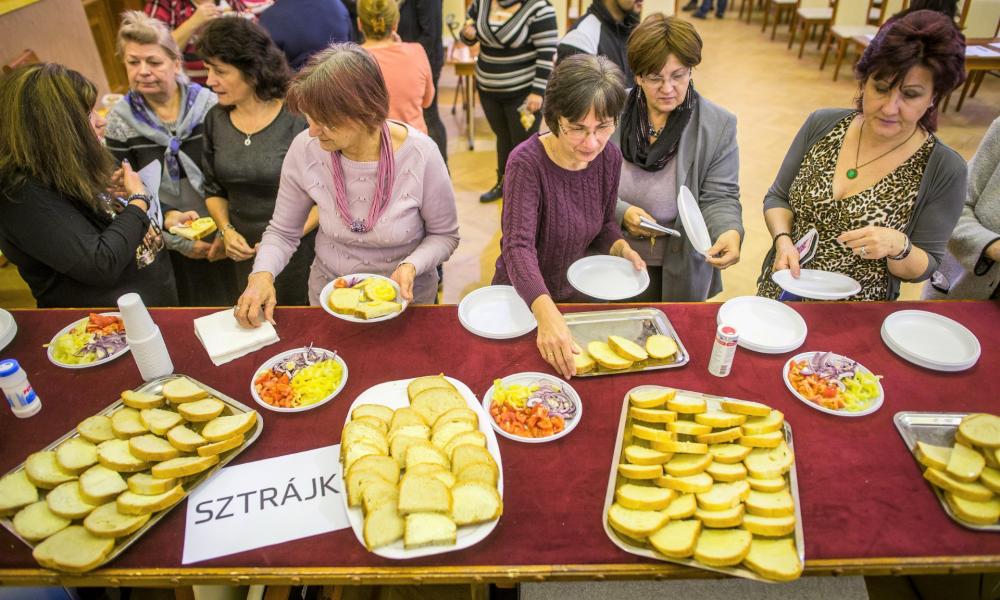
(770, 91)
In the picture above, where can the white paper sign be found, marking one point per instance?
(265, 502)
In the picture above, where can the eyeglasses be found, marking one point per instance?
(677, 80)
(577, 134)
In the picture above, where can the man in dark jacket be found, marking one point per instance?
(603, 30)
(302, 28)
(420, 22)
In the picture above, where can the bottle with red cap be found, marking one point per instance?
(723, 350)
(23, 400)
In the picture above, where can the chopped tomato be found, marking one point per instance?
(533, 422)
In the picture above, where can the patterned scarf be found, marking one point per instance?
(635, 130)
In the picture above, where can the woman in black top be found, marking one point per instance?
(246, 137)
(73, 243)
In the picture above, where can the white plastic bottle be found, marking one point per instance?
(23, 400)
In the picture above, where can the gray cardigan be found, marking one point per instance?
(708, 163)
(965, 273)
(937, 207)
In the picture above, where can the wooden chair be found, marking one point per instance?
(782, 8)
(26, 57)
(809, 15)
(980, 18)
(850, 20)
(748, 5)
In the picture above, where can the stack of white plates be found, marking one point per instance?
(930, 340)
(8, 328)
(496, 312)
(764, 325)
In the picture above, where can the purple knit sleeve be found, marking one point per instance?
(519, 223)
(611, 232)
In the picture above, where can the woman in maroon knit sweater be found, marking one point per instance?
(559, 198)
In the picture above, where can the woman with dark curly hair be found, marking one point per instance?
(246, 137)
(882, 192)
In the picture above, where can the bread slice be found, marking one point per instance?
(466, 454)
(652, 434)
(436, 471)
(687, 405)
(986, 512)
(723, 436)
(428, 529)
(677, 538)
(150, 447)
(729, 453)
(652, 415)
(220, 447)
(682, 507)
(399, 445)
(422, 432)
(774, 559)
(125, 422)
(442, 435)
(423, 494)
(141, 400)
(689, 484)
(426, 382)
(383, 466)
(640, 472)
(425, 452)
(382, 413)
(606, 357)
(196, 229)
(722, 496)
(745, 407)
(688, 428)
(96, 429)
(626, 348)
(106, 522)
(974, 491)
(130, 503)
(160, 421)
(660, 346)
(475, 502)
(641, 455)
(763, 440)
(720, 419)
(223, 428)
(147, 485)
(182, 389)
(644, 497)
(990, 455)
(73, 549)
(16, 490)
(382, 527)
(377, 493)
(773, 421)
(44, 470)
(770, 463)
(484, 472)
(344, 301)
(681, 447)
(374, 309)
(358, 480)
(981, 430)
(432, 403)
(770, 504)
(683, 465)
(637, 524)
(475, 438)
(766, 485)
(461, 413)
(651, 397)
(990, 477)
(721, 519)
(183, 466)
(202, 410)
(116, 455)
(357, 451)
(722, 547)
(360, 432)
(67, 502)
(769, 526)
(185, 439)
(965, 464)
(961, 439)
(727, 472)
(99, 484)
(583, 361)
(37, 521)
(76, 454)
(936, 457)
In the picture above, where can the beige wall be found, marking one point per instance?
(57, 31)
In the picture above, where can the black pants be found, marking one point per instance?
(435, 127)
(505, 121)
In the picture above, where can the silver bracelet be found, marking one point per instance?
(907, 246)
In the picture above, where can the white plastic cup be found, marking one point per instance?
(151, 355)
(138, 322)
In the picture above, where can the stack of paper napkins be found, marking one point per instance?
(226, 340)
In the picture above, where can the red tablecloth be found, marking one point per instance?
(861, 491)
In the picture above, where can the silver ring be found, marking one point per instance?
(863, 252)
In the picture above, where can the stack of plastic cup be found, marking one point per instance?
(144, 338)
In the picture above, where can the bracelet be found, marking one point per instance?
(143, 197)
(774, 242)
(228, 226)
(906, 249)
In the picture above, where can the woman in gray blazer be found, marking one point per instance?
(670, 136)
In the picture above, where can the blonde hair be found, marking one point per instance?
(139, 28)
(378, 17)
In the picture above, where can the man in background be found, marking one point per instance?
(420, 22)
(303, 27)
(603, 30)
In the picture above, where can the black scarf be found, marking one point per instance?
(635, 130)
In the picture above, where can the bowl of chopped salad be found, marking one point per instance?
(299, 379)
(532, 407)
(95, 340)
(833, 384)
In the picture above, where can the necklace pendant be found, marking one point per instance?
(246, 142)
(358, 225)
(852, 173)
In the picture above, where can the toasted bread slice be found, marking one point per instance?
(377, 493)
(626, 348)
(680, 447)
(382, 527)
(141, 400)
(729, 453)
(687, 405)
(116, 455)
(219, 447)
(160, 421)
(76, 454)
(461, 413)
(150, 447)
(16, 490)
(183, 466)
(723, 436)
(96, 429)
(37, 521)
(583, 361)
(73, 549)
(45, 471)
(690, 484)
(184, 439)
(652, 415)
(423, 494)
(722, 496)
(682, 507)
(720, 419)
(722, 547)
(677, 538)
(774, 559)
(182, 389)
(769, 463)
(606, 357)
(720, 519)
(428, 529)
(727, 471)
(130, 503)
(660, 347)
(763, 440)
(223, 428)
(106, 522)
(466, 454)
(936, 457)
(745, 407)
(651, 397)
(433, 403)
(981, 430)
(640, 472)
(652, 434)
(147, 485)
(974, 491)
(442, 435)
(475, 502)
(965, 464)
(99, 484)
(382, 413)
(640, 455)
(374, 309)
(125, 422)
(644, 497)
(683, 465)
(484, 472)
(986, 512)
(773, 421)
(637, 524)
(475, 438)
(769, 526)
(770, 504)
(345, 300)
(688, 428)
(67, 502)
(766, 485)
(202, 410)
(427, 382)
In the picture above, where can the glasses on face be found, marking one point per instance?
(677, 80)
(578, 133)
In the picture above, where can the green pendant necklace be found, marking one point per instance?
(853, 173)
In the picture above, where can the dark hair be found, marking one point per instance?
(925, 38)
(659, 36)
(948, 8)
(579, 83)
(45, 133)
(246, 46)
(341, 83)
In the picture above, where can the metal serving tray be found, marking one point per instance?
(190, 483)
(635, 324)
(936, 428)
(629, 545)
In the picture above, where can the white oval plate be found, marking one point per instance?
(8, 328)
(607, 277)
(875, 405)
(764, 325)
(694, 222)
(66, 329)
(284, 355)
(496, 312)
(393, 395)
(526, 379)
(328, 288)
(816, 284)
(930, 340)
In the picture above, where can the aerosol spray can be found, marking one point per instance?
(723, 350)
